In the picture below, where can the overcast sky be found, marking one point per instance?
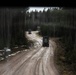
(37, 8)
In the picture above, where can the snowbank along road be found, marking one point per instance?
(38, 61)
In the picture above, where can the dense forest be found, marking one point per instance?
(55, 23)
(12, 27)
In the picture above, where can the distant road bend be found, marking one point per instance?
(38, 61)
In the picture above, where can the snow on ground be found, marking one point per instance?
(39, 61)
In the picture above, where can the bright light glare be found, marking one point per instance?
(37, 8)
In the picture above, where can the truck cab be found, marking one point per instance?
(45, 41)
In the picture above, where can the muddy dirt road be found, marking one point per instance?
(38, 61)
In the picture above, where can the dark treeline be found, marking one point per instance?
(12, 27)
(59, 23)
(53, 17)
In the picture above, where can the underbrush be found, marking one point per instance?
(60, 60)
(22, 47)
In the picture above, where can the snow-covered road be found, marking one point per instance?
(39, 61)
